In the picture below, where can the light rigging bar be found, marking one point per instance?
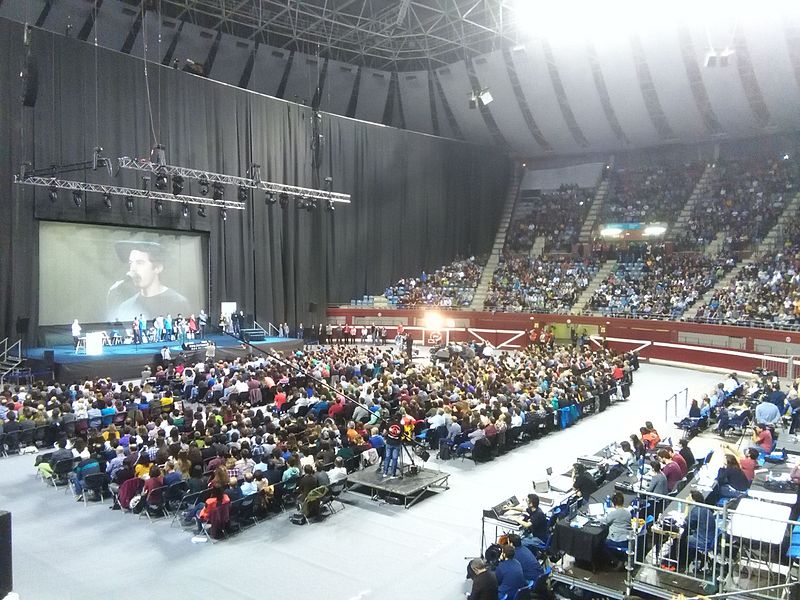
(147, 166)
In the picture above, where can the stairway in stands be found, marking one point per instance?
(499, 242)
(703, 186)
(538, 246)
(595, 210)
(10, 357)
(606, 269)
(769, 246)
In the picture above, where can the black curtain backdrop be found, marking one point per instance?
(418, 201)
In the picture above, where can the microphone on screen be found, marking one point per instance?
(116, 284)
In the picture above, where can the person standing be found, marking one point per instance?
(300, 331)
(211, 352)
(76, 334)
(393, 447)
(202, 320)
(137, 333)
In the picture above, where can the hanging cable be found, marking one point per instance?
(146, 75)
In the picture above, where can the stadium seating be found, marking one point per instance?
(452, 285)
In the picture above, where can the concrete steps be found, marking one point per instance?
(774, 238)
(701, 188)
(499, 243)
(538, 247)
(593, 215)
(605, 270)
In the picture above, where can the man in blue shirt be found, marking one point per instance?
(510, 578)
(531, 568)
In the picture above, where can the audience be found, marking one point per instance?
(452, 285)
(557, 215)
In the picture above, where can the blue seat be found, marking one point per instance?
(794, 543)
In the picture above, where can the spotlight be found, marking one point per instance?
(185, 210)
(269, 198)
(218, 192)
(77, 198)
(107, 200)
(204, 185)
(177, 185)
(311, 204)
(785, 157)
(302, 202)
(162, 180)
(283, 199)
(242, 194)
(129, 203)
(329, 206)
(201, 212)
(224, 214)
(159, 206)
(53, 193)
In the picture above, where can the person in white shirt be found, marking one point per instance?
(338, 472)
(436, 420)
(165, 353)
(76, 333)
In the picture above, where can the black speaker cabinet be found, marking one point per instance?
(6, 578)
(49, 357)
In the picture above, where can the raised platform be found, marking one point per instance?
(126, 361)
(409, 489)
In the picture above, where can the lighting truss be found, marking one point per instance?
(277, 188)
(99, 188)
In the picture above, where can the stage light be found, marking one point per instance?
(218, 191)
(162, 180)
(53, 193)
(201, 212)
(311, 204)
(204, 185)
(485, 96)
(433, 321)
(129, 205)
(224, 214)
(159, 206)
(785, 157)
(330, 205)
(107, 200)
(77, 198)
(185, 210)
(283, 200)
(177, 185)
(611, 232)
(269, 198)
(242, 194)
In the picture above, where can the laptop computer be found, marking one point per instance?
(596, 509)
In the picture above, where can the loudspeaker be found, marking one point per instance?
(49, 357)
(30, 82)
(312, 307)
(22, 325)
(6, 572)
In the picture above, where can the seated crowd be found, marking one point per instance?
(767, 291)
(557, 215)
(252, 426)
(649, 194)
(744, 202)
(660, 284)
(452, 285)
(521, 283)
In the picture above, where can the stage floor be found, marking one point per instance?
(410, 489)
(126, 361)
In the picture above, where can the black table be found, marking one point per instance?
(586, 544)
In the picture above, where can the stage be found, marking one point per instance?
(409, 490)
(126, 361)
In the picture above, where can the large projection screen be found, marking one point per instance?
(97, 274)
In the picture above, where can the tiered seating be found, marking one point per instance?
(556, 215)
(649, 194)
(767, 291)
(522, 283)
(452, 285)
(663, 286)
(745, 202)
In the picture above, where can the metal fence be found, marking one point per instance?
(712, 549)
(673, 402)
(782, 365)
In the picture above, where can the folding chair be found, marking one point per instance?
(334, 491)
(154, 503)
(60, 471)
(97, 483)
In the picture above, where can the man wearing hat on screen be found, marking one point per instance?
(145, 265)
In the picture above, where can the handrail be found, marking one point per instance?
(685, 393)
(256, 325)
(4, 351)
(18, 345)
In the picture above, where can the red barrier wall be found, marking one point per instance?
(733, 357)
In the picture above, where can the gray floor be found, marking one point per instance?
(63, 550)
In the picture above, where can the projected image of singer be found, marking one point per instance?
(150, 296)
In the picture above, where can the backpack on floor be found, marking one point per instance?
(444, 451)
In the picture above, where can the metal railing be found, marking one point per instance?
(9, 354)
(782, 365)
(674, 400)
(711, 547)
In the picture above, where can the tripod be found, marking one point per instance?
(401, 462)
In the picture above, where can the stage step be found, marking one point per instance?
(253, 335)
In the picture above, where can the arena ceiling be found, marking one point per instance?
(397, 35)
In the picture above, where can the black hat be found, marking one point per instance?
(153, 249)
